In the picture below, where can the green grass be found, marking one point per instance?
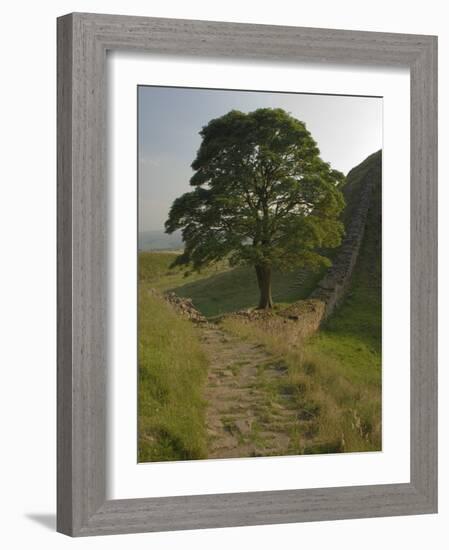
(172, 373)
(155, 271)
(220, 289)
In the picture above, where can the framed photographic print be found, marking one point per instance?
(246, 274)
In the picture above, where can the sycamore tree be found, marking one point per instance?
(261, 196)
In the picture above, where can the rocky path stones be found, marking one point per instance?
(247, 413)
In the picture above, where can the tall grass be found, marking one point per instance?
(172, 373)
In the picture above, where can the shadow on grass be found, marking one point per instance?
(237, 289)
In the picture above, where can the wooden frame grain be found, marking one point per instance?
(83, 40)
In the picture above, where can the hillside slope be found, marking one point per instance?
(220, 289)
(360, 312)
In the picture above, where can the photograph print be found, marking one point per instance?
(259, 274)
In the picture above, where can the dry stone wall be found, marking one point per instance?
(295, 323)
(185, 307)
(332, 288)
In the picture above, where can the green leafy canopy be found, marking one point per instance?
(262, 195)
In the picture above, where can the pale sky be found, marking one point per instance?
(346, 128)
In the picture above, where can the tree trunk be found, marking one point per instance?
(263, 273)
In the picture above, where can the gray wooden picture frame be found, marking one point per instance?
(83, 40)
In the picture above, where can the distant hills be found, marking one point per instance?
(159, 240)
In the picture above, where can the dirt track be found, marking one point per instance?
(247, 415)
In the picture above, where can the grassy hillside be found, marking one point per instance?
(220, 289)
(172, 373)
(360, 315)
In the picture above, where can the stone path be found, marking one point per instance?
(248, 413)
